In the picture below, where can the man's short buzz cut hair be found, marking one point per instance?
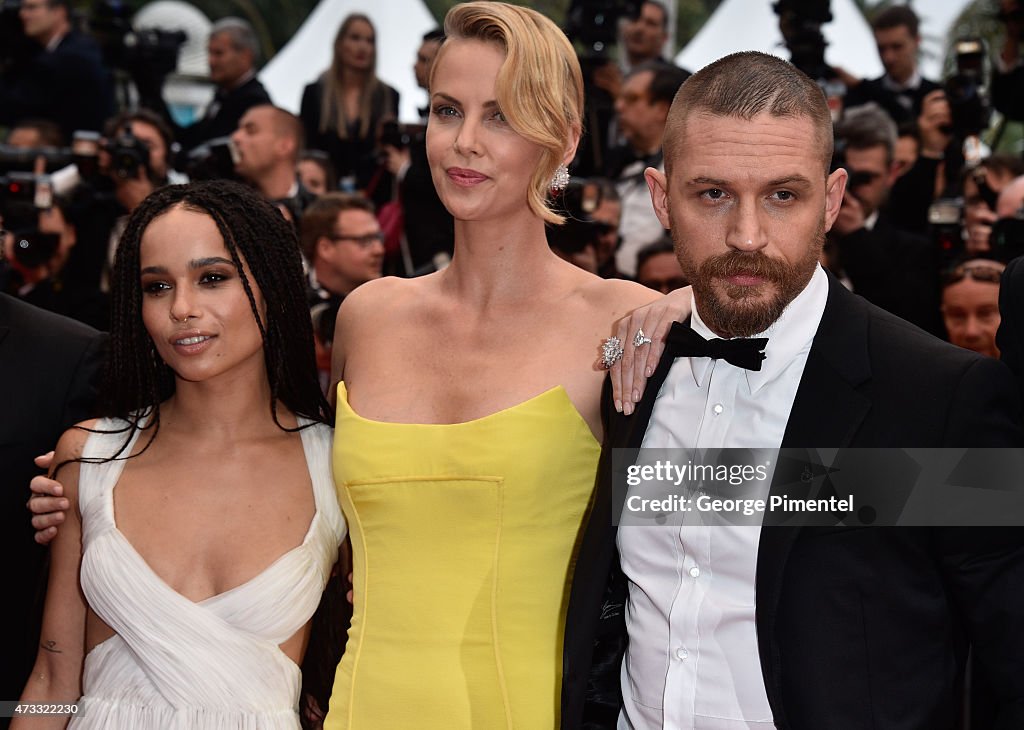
(744, 85)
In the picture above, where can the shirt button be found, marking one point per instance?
(682, 654)
(717, 409)
(695, 572)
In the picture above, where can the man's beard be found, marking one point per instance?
(731, 310)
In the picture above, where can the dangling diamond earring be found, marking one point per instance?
(560, 179)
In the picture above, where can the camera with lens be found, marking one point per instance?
(128, 154)
(213, 160)
(149, 51)
(965, 90)
(1007, 237)
(800, 22)
(22, 197)
(594, 24)
(945, 216)
(393, 134)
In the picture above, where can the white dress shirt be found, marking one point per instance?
(638, 224)
(692, 660)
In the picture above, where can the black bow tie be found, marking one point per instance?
(743, 353)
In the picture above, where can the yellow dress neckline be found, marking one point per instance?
(558, 391)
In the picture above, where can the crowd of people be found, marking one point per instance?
(238, 265)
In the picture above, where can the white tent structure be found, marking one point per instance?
(752, 25)
(400, 26)
(187, 91)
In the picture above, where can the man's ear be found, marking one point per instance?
(892, 174)
(835, 188)
(657, 182)
(323, 247)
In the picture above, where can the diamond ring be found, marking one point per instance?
(611, 352)
(640, 339)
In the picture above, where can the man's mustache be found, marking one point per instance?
(739, 263)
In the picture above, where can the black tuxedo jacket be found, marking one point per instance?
(69, 85)
(902, 106)
(223, 114)
(896, 270)
(48, 365)
(857, 627)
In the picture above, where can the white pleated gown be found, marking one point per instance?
(212, 665)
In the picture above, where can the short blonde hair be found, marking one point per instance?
(539, 87)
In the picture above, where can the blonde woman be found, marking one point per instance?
(342, 111)
(469, 414)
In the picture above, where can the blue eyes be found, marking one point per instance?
(447, 111)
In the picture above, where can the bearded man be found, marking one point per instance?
(796, 627)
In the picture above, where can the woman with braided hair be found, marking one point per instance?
(203, 521)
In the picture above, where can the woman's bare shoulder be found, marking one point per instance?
(72, 442)
(382, 297)
(69, 449)
(614, 298)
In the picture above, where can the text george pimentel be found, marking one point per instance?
(707, 503)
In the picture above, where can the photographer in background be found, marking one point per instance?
(894, 269)
(33, 134)
(37, 247)
(134, 161)
(981, 187)
(63, 80)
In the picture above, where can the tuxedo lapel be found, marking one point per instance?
(826, 413)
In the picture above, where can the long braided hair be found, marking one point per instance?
(137, 381)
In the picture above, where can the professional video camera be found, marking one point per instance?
(594, 24)
(800, 22)
(152, 52)
(965, 90)
(22, 196)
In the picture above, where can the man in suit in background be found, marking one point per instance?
(48, 377)
(63, 79)
(789, 627)
(902, 89)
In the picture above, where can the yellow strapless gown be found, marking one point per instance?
(463, 541)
